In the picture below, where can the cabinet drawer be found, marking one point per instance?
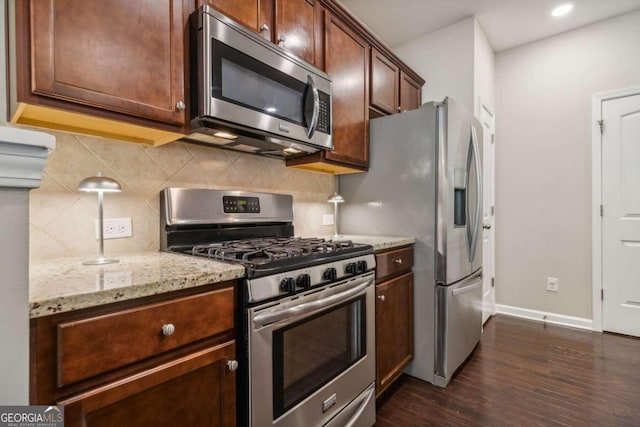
(99, 344)
(393, 262)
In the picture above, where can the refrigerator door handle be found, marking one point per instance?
(469, 230)
(478, 218)
(466, 289)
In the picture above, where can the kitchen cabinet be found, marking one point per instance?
(161, 360)
(347, 61)
(410, 92)
(118, 62)
(392, 89)
(296, 25)
(394, 315)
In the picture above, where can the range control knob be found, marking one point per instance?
(362, 266)
(303, 281)
(288, 285)
(351, 268)
(330, 274)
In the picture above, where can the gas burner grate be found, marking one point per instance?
(263, 251)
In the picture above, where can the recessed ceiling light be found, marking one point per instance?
(562, 10)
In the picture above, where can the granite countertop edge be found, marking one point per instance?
(63, 285)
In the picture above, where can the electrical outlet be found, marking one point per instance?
(327, 219)
(115, 279)
(552, 284)
(115, 228)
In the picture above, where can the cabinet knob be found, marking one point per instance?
(381, 297)
(232, 365)
(399, 110)
(180, 105)
(398, 260)
(264, 28)
(168, 329)
(281, 40)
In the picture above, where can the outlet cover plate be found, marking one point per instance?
(552, 284)
(115, 228)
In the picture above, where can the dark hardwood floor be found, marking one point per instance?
(526, 373)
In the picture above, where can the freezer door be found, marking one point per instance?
(458, 325)
(459, 191)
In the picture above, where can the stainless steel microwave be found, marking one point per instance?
(251, 95)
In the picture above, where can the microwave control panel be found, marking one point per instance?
(324, 115)
(234, 204)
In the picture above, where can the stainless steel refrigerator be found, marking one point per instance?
(425, 181)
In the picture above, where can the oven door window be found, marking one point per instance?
(310, 353)
(245, 81)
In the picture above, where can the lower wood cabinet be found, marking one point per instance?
(169, 360)
(195, 390)
(394, 315)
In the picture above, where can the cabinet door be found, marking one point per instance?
(196, 390)
(347, 60)
(410, 93)
(384, 83)
(256, 15)
(296, 27)
(394, 329)
(117, 55)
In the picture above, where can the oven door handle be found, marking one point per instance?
(308, 307)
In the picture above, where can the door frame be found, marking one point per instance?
(492, 270)
(596, 196)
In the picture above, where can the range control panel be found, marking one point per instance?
(235, 204)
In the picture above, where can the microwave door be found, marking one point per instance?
(311, 106)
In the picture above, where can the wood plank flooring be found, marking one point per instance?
(526, 373)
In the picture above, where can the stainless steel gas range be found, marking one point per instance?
(306, 339)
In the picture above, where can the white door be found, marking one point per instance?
(488, 241)
(621, 215)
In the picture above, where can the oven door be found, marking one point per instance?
(312, 355)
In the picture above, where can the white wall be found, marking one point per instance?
(543, 145)
(3, 63)
(483, 71)
(444, 58)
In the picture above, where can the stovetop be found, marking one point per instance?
(276, 254)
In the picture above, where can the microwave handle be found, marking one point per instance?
(312, 106)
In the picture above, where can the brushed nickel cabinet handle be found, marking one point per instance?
(281, 40)
(264, 28)
(180, 105)
(232, 365)
(398, 261)
(381, 297)
(168, 329)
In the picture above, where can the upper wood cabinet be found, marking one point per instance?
(295, 25)
(116, 59)
(385, 83)
(347, 61)
(410, 92)
(392, 89)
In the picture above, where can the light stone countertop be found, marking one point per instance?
(59, 285)
(65, 284)
(378, 242)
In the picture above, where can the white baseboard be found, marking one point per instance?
(542, 316)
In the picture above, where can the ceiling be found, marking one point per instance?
(506, 23)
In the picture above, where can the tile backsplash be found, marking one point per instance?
(62, 220)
